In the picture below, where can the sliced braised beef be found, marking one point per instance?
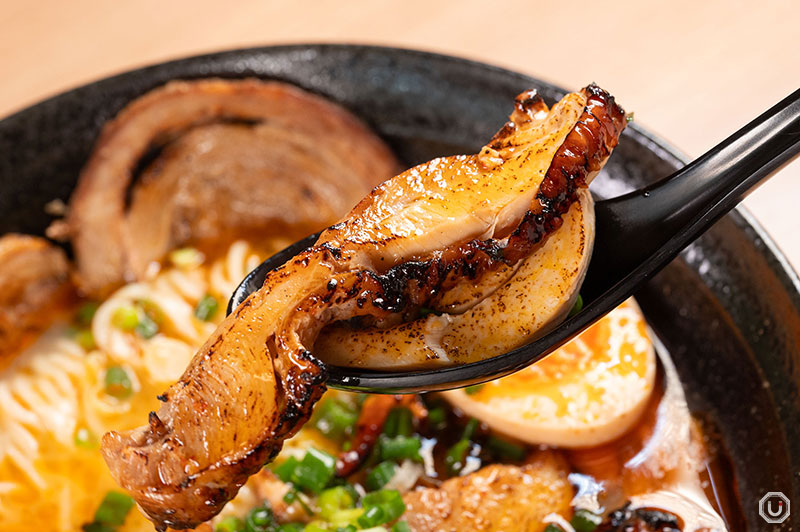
(34, 286)
(218, 159)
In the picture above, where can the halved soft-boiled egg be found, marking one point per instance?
(586, 393)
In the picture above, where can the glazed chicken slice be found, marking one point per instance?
(538, 297)
(423, 238)
(497, 498)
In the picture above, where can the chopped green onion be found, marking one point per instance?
(114, 509)
(405, 426)
(151, 310)
(315, 471)
(286, 468)
(150, 318)
(456, 455)
(144, 318)
(629, 117)
(118, 383)
(505, 449)
(348, 528)
(469, 430)
(146, 328)
(334, 499)
(381, 507)
(390, 425)
(316, 526)
(553, 528)
(472, 390)
(293, 496)
(346, 517)
(186, 258)
(400, 448)
(351, 489)
(291, 527)
(206, 308)
(230, 523)
(94, 526)
(86, 312)
(85, 339)
(125, 318)
(380, 475)
(401, 526)
(85, 439)
(335, 418)
(437, 417)
(373, 516)
(577, 307)
(260, 519)
(585, 521)
(398, 422)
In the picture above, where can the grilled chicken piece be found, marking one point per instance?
(443, 225)
(233, 156)
(538, 297)
(498, 497)
(34, 286)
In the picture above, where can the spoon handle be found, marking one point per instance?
(652, 225)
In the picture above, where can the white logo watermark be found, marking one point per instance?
(774, 507)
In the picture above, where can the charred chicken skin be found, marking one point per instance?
(439, 235)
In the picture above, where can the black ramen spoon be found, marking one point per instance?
(637, 234)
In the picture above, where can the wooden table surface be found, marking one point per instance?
(692, 71)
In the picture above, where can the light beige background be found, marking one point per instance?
(692, 70)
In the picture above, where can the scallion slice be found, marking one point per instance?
(381, 507)
(469, 430)
(118, 383)
(125, 317)
(86, 312)
(314, 471)
(585, 521)
(186, 258)
(111, 513)
(577, 307)
(505, 450)
(260, 519)
(335, 418)
(334, 499)
(206, 308)
(285, 469)
(230, 523)
(398, 422)
(380, 475)
(456, 456)
(400, 448)
(472, 390)
(85, 439)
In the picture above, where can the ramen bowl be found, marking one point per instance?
(727, 310)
